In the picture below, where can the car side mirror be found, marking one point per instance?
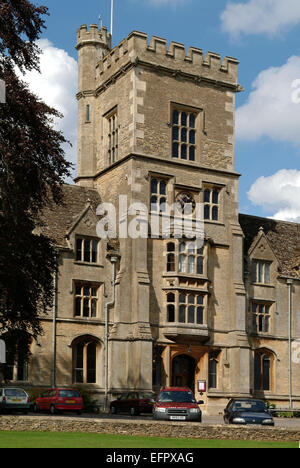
(200, 402)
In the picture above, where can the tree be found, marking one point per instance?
(32, 171)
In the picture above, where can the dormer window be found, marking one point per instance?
(87, 250)
(261, 272)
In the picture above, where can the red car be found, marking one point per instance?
(133, 403)
(58, 400)
(177, 404)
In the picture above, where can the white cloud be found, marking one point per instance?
(279, 193)
(56, 85)
(260, 16)
(273, 106)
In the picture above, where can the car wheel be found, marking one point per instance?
(133, 412)
(36, 408)
(52, 410)
(113, 410)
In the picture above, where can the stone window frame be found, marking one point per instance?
(180, 311)
(158, 195)
(88, 255)
(260, 274)
(211, 204)
(91, 298)
(261, 357)
(179, 253)
(111, 134)
(261, 316)
(84, 367)
(181, 130)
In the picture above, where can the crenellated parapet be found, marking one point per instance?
(93, 36)
(174, 59)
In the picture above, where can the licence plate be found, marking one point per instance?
(70, 401)
(16, 400)
(177, 418)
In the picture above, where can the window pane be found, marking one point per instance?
(267, 324)
(206, 212)
(171, 262)
(207, 196)
(162, 204)
(94, 251)
(200, 315)
(78, 289)
(200, 300)
(183, 152)
(87, 245)
(171, 247)
(192, 137)
(191, 264)
(154, 186)
(91, 363)
(267, 273)
(182, 264)
(184, 135)
(163, 187)
(191, 313)
(213, 373)
(257, 371)
(184, 119)
(175, 134)
(171, 313)
(200, 266)
(215, 197)
(215, 213)
(79, 249)
(266, 373)
(175, 151)
(86, 307)
(182, 298)
(260, 273)
(182, 314)
(192, 153)
(192, 120)
(77, 307)
(182, 247)
(171, 297)
(94, 308)
(192, 299)
(175, 117)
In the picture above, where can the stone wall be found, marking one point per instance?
(145, 428)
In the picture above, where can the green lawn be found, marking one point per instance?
(84, 440)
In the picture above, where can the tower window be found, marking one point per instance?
(113, 137)
(184, 135)
(212, 204)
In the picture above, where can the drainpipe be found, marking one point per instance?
(113, 259)
(55, 281)
(289, 283)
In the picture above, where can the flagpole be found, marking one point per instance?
(112, 17)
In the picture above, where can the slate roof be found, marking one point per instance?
(283, 237)
(58, 219)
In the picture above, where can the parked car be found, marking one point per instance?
(247, 411)
(59, 400)
(177, 404)
(133, 403)
(14, 399)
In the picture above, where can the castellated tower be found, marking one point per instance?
(156, 125)
(92, 46)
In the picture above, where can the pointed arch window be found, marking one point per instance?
(85, 360)
(263, 368)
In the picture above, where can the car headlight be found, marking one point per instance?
(160, 410)
(267, 421)
(239, 421)
(194, 410)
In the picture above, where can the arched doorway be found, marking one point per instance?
(183, 371)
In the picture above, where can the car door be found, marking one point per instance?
(132, 401)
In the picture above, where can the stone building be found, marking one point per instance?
(134, 312)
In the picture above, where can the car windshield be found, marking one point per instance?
(14, 392)
(255, 406)
(176, 396)
(68, 394)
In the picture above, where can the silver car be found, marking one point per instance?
(14, 399)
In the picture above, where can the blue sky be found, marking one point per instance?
(262, 34)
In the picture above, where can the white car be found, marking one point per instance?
(14, 399)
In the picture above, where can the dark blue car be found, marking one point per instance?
(247, 411)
